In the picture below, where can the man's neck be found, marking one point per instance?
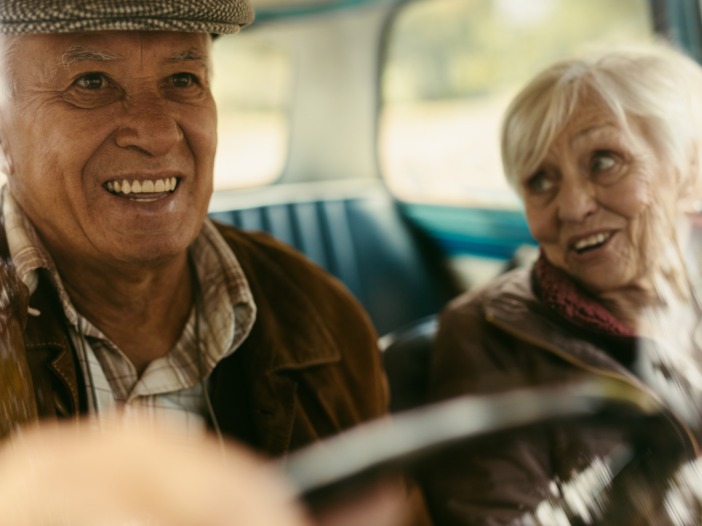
(141, 308)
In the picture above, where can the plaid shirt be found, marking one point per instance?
(170, 389)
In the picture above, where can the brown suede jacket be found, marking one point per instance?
(309, 368)
(503, 338)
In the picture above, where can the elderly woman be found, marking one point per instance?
(605, 155)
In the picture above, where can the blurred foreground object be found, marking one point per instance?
(587, 498)
(137, 476)
(329, 467)
(426, 440)
(134, 475)
(17, 403)
(651, 481)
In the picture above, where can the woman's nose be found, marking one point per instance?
(149, 126)
(576, 200)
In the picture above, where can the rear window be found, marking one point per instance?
(451, 68)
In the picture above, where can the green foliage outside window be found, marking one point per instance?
(456, 48)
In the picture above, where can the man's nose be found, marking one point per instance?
(577, 199)
(149, 125)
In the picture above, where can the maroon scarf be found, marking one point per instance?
(561, 293)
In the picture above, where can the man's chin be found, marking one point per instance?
(147, 249)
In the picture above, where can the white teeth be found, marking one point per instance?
(142, 187)
(595, 239)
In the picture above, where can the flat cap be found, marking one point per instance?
(66, 16)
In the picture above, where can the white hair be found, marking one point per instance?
(8, 45)
(657, 86)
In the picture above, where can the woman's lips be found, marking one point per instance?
(591, 242)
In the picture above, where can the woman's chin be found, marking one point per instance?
(605, 268)
(602, 279)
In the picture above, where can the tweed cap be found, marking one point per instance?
(66, 16)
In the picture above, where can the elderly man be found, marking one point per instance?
(130, 298)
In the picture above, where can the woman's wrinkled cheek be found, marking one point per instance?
(543, 223)
(653, 236)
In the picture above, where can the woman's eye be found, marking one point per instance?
(539, 183)
(92, 81)
(602, 163)
(182, 80)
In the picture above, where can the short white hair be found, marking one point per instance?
(656, 85)
(8, 45)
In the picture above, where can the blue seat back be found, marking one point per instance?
(394, 270)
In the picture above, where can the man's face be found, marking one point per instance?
(92, 111)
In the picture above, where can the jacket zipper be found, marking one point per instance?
(674, 420)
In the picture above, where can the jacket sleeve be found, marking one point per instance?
(497, 479)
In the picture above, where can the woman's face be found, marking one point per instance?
(602, 202)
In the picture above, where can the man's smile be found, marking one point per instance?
(142, 189)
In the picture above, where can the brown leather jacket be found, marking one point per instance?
(309, 368)
(502, 338)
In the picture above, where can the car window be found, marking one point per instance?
(451, 68)
(251, 84)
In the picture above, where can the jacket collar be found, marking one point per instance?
(512, 305)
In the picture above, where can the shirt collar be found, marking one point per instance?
(229, 311)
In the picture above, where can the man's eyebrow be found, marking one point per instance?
(82, 54)
(188, 54)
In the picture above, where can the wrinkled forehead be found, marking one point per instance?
(590, 117)
(60, 51)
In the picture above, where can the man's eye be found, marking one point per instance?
(92, 81)
(182, 80)
(602, 163)
(539, 183)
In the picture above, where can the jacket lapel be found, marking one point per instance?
(255, 390)
(288, 337)
(288, 350)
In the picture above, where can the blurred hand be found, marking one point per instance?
(136, 476)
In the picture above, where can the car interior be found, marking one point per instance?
(364, 133)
